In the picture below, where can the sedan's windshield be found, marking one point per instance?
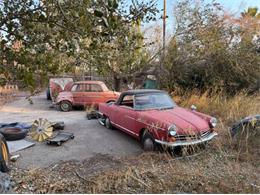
(153, 101)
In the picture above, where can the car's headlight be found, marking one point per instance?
(213, 122)
(172, 130)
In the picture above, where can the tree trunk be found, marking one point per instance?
(117, 83)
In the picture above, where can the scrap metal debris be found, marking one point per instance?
(60, 138)
(18, 145)
(15, 157)
(251, 123)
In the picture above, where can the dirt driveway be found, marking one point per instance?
(90, 137)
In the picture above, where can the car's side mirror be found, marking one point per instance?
(193, 107)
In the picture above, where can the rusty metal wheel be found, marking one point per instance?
(65, 106)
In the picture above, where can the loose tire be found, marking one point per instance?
(65, 106)
(12, 134)
(148, 142)
(4, 155)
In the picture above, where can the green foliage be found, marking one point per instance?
(251, 12)
(54, 36)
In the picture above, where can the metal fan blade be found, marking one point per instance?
(41, 130)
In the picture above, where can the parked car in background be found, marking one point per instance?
(85, 93)
(152, 117)
(57, 85)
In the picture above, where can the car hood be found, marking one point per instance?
(185, 120)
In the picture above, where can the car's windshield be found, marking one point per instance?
(153, 101)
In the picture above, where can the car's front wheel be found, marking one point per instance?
(148, 142)
(65, 106)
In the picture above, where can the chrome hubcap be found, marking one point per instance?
(65, 106)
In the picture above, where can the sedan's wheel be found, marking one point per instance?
(65, 106)
(148, 142)
(108, 123)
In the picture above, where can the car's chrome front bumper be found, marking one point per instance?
(188, 142)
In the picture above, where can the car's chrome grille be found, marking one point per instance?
(192, 137)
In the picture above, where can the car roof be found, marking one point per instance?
(89, 82)
(138, 91)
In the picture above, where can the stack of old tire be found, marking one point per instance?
(10, 132)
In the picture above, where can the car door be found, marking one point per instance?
(77, 91)
(126, 116)
(95, 94)
(86, 96)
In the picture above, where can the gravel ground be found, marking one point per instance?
(90, 137)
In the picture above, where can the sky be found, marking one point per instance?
(232, 6)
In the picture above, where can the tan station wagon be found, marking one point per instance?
(85, 93)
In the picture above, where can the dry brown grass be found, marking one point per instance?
(206, 173)
(220, 168)
(227, 110)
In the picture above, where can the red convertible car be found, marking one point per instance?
(85, 93)
(152, 117)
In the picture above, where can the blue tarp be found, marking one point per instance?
(16, 125)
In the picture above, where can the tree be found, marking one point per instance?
(209, 50)
(75, 30)
(46, 30)
(251, 12)
(117, 46)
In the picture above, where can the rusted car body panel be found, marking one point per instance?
(87, 93)
(58, 85)
(191, 127)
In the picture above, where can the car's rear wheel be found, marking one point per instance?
(148, 142)
(65, 106)
(108, 124)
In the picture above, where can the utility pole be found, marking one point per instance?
(164, 34)
(164, 24)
